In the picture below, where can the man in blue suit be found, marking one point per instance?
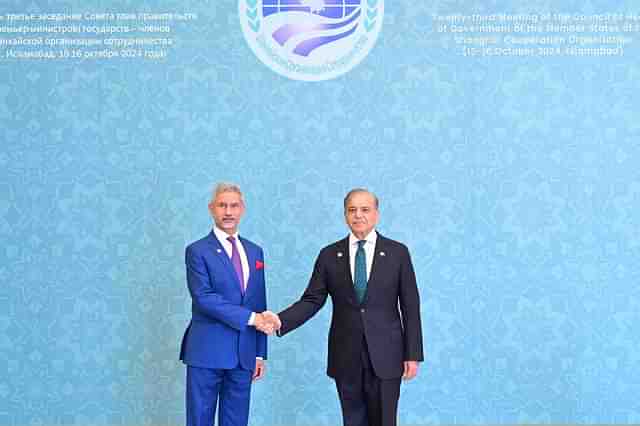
(225, 345)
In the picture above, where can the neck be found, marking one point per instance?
(361, 235)
(230, 232)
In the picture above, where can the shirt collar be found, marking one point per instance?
(222, 236)
(370, 239)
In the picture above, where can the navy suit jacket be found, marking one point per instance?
(388, 318)
(218, 335)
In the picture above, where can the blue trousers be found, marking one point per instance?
(207, 388)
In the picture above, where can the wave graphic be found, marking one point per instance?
(321, 32)
(330, 8)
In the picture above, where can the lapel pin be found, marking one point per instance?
(382, 253)
(219, 250)
(339, 254)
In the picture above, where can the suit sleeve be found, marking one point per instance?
(208, 301)
(261, 338)
(410, 308)
(312, 300)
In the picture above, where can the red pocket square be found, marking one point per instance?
(259, 265)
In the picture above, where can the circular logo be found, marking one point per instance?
(311, 40)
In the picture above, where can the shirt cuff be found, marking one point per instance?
(252, 319)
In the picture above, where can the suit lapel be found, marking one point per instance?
(220, 254)
(379, 256)
(343, 267)
(342, 257)
(251, 260)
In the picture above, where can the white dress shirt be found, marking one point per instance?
(369, 251)
(226, 244)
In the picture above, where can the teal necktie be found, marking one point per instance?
(360, 279)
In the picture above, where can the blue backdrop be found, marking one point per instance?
(514, 181)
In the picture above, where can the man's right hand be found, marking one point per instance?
(267, 322)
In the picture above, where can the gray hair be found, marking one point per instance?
(226, 187)
(358, 191)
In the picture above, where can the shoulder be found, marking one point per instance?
(334, 248)
(250, 245)
(200, 244)
(392, 245)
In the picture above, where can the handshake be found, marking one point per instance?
(267, 322)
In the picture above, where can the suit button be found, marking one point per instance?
(362, 310)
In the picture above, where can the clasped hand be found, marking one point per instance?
(267, 322)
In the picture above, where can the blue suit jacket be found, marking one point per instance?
(218, 335)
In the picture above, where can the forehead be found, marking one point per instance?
(228, 197)
(361, 199)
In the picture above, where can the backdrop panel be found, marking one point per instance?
(512, 178)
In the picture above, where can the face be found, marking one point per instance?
(361, 214)
(226, 210)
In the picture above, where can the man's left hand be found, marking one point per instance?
(260, 370)
(410, 370)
